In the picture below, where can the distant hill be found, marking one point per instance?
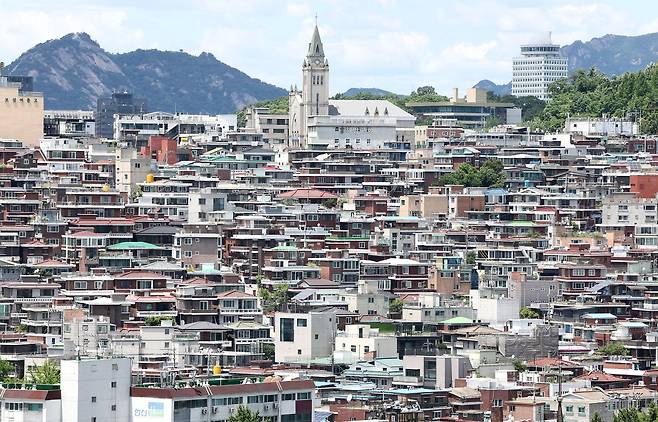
(500, 90)
(374, 91)
(73, 71)
(613, 54)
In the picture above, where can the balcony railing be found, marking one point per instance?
(145, 314)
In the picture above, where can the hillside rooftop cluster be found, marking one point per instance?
(333, 260)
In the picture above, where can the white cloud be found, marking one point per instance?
(298, 9)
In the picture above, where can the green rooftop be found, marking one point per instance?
(457, 320)
(124, 246)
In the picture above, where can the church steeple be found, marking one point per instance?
(315, 48)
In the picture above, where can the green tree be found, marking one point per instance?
(527, 313)
(155, 321)
(490, 174)
(268, 351)
(6, 369)
(48, 373)
(243, 414)
(519, 365)
(613, 349)
(530, 106)
(630, 414)
(275, 106)
(330, 203)
(596, 418)
(470, 258)
(492, 121)
(395, 306)
(274, 300)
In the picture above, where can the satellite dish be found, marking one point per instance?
(349, 398)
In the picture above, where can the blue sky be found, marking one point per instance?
(389, 44)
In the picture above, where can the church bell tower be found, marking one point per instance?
(315, 89)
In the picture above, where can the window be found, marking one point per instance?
(578, 272)
(33, 407)
(569, 410)
(114, 407)
(254, 399)
(288, 397)
(227, 401)
(113, 384)
(301, 322)
(287, 329)
(303, 396)
(353, 349)
(581, 410)
(93, 399)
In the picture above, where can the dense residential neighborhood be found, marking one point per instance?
(367, 258)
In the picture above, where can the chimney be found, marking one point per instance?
(496, 413)
(82, 265)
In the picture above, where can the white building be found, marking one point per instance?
(366, 299)
(360, 342)
(317, 122)
(96, 390)
(302, 337)
(432, 309)
(603, 126)
(539, 65)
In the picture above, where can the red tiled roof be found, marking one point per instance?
(220, 390)
(235, 293)
(599, 376)
(52, 263)
(307, 194)
(35, 395)
(139, 274)
(553, 362)
(86, 233)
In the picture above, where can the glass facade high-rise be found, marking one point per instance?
(539, 65)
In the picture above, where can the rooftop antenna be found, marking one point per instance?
(316, 18)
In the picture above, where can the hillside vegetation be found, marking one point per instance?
(592, 93)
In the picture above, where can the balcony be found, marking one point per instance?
(146, 314)
(235, 311)
(410, 381)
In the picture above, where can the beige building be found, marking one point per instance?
(274, 127)
(452, 201)
(21, 114)
(131, 168)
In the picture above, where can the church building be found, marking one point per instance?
(319, 123)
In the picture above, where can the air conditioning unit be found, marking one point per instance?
(214, 409)
(266, 407)
(275, 405)
(204, 411)
(231, 410)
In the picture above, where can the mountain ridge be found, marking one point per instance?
(74, 70)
